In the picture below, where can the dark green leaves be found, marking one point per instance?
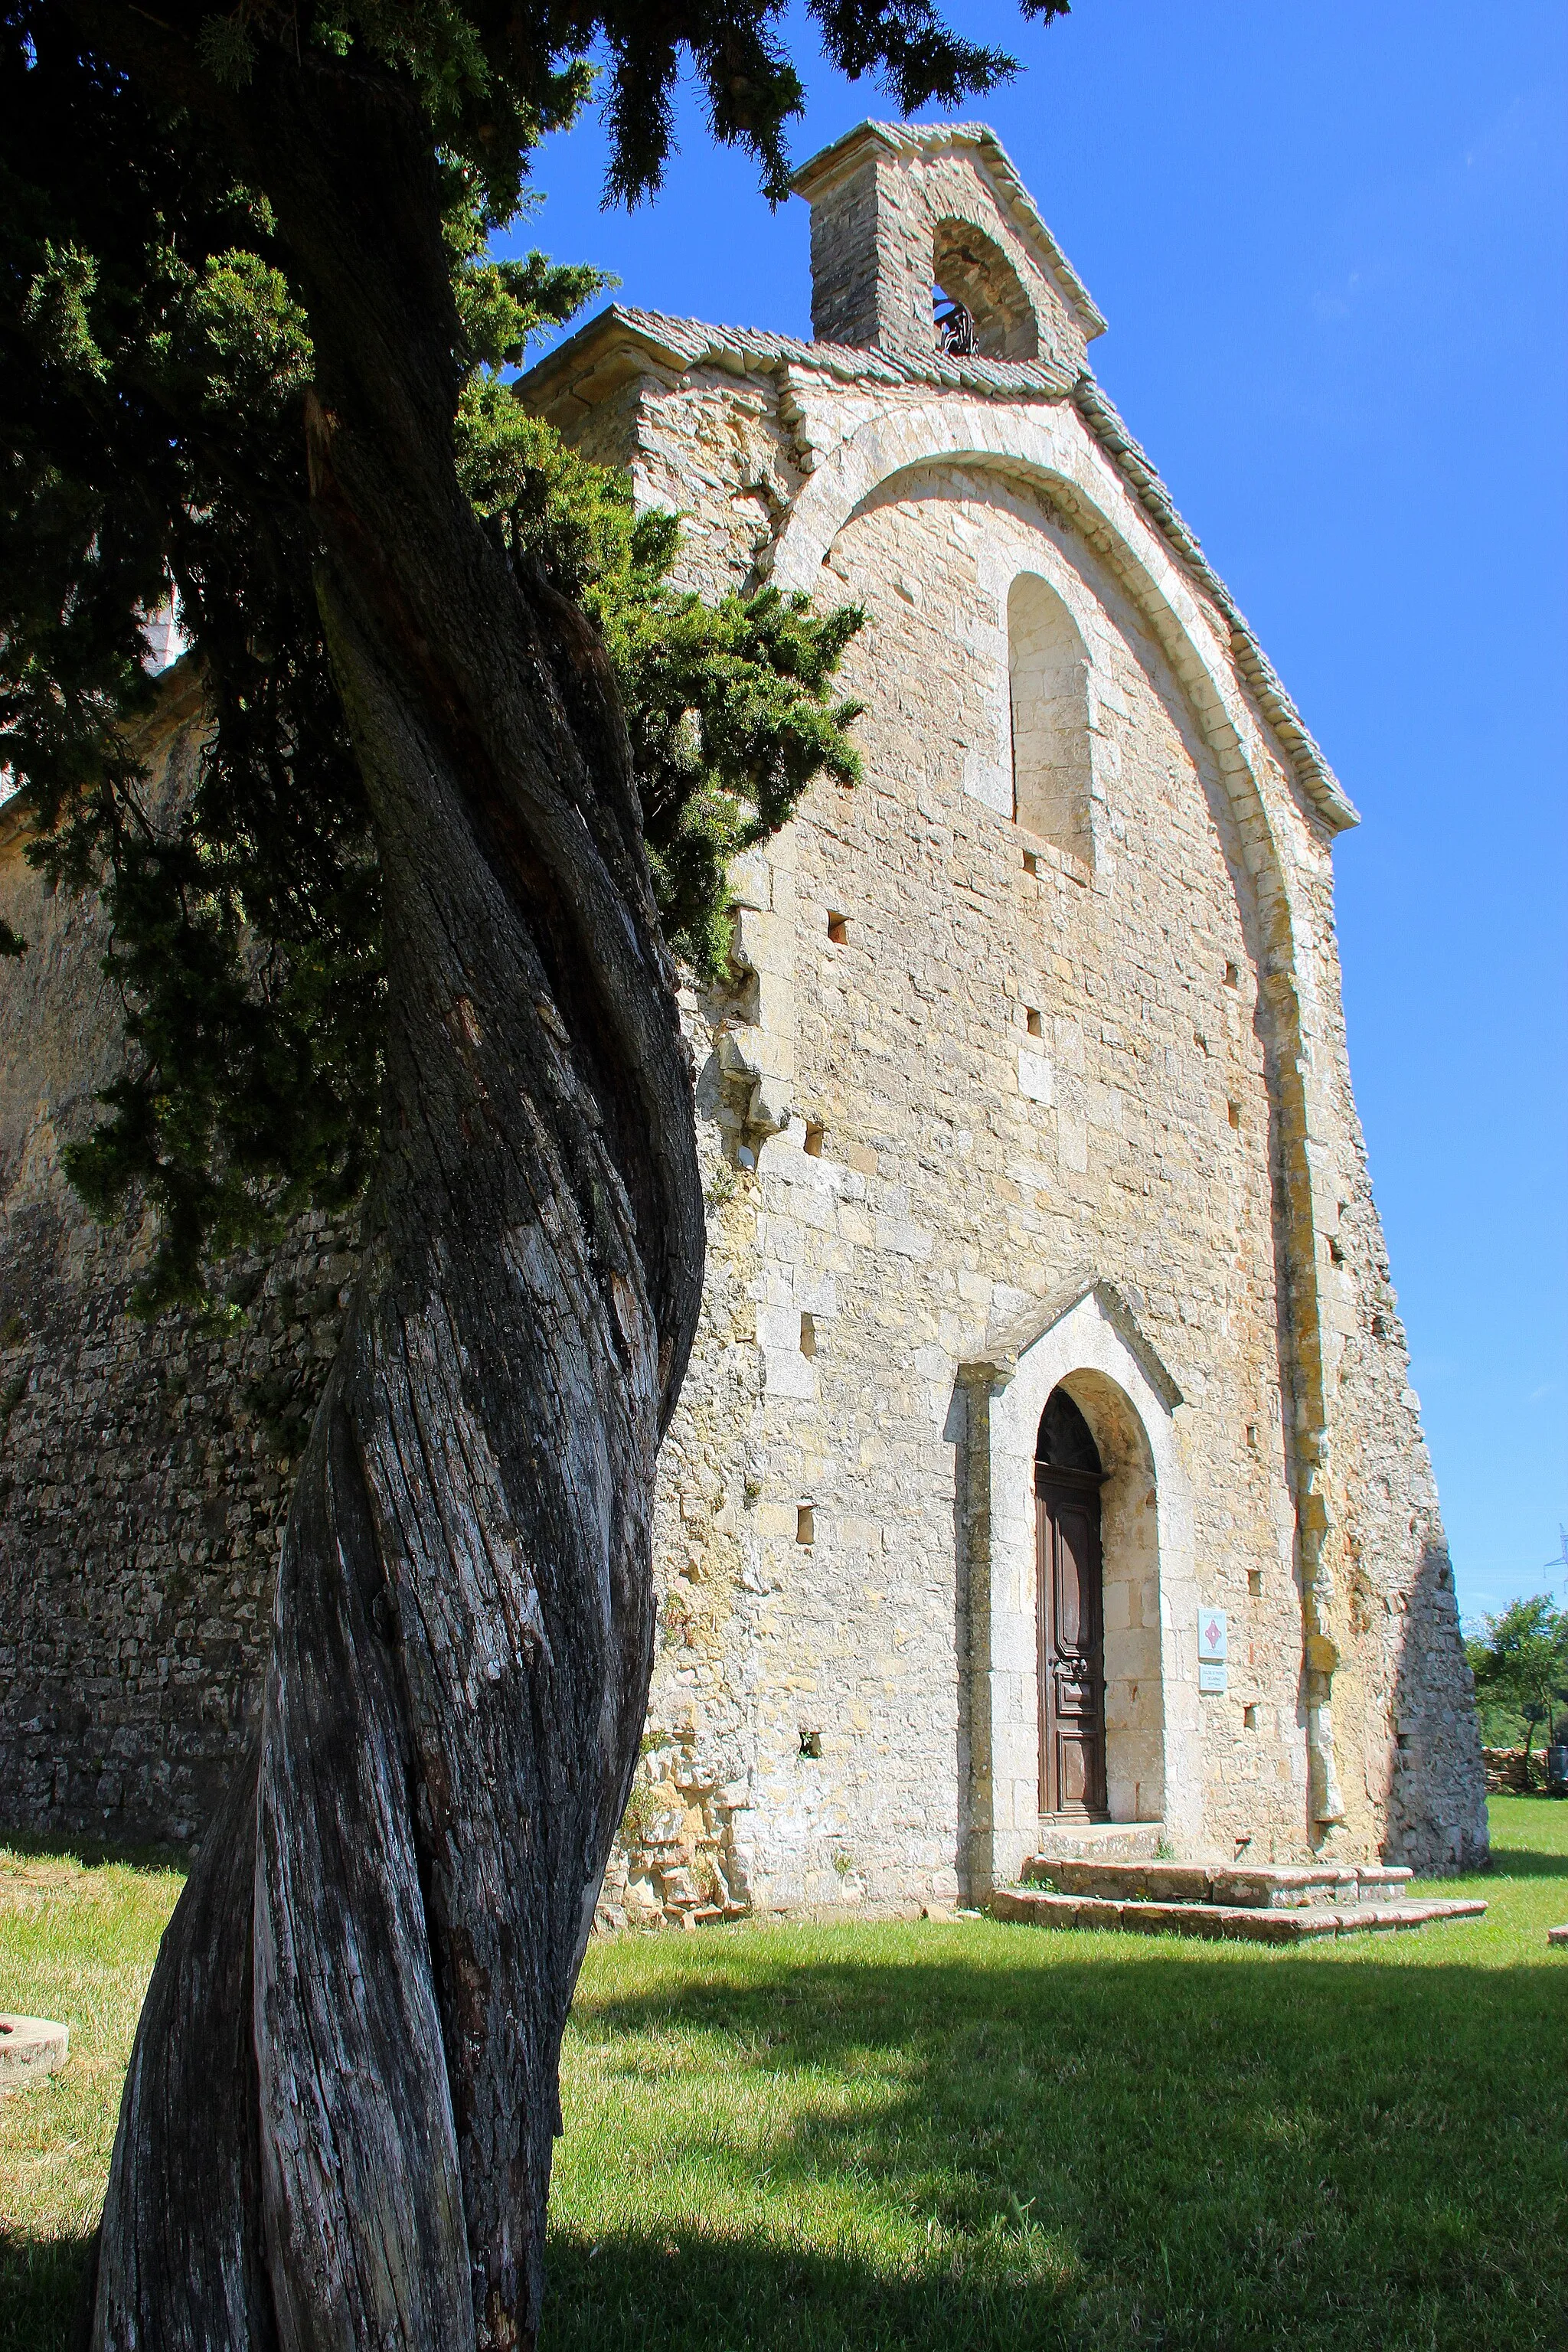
(151, 413)
(729, 707)
(154, 361)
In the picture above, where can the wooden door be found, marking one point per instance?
(1069, 1611)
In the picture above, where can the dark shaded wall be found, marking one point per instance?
(144, 1469)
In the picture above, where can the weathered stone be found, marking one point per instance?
(30, 2049)
(1236, 1923)
(1032, 1071)
(1145, 1882)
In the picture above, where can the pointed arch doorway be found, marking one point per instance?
(1070, 1606)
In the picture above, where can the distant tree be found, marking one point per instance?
(470, 767)
(1519, 1659)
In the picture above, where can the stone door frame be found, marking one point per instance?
(1084, 1336)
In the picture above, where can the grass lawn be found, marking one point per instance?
(964, 2135)
(78, 1944)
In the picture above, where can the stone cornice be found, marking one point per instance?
(577, 368)
(1317, 779)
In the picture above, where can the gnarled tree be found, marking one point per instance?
(470, 762)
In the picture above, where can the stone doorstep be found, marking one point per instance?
(1260, 1887)
(1264, 1924)
(1089, 1841)
(30, 2048)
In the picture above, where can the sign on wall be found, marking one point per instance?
(1211, 1650)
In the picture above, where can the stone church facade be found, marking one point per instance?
(1047, 1474)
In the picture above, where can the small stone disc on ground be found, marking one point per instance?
(30, 2048)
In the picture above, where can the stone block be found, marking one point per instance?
(31, 2048)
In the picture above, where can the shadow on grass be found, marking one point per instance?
(1531, 1862)
(1009, 2143)
(42, 2285)
(92, 1853)
(683, 2290)
(1513, 1862)
(1180, 2151)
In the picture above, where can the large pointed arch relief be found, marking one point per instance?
(1047, 442)
(1083, 1337)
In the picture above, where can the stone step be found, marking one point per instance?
(1246, 1886)
(1557, 1935)
(30, 2048)
(1245, 1923)
(1100, 1841)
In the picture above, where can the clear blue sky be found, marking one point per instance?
(1331, 242)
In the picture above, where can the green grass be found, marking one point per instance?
(969, 2136)
(77, 1943)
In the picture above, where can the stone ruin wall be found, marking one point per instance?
(143, 1469)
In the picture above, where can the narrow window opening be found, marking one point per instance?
(1031, 863)
(1048, 679)
(1233, 1111)
(954, 327)
(1232, 975)
(838, 928)
(1255, 1584)
(807, 1336)
(813, 1144)
(1249, 1719)
(979, 302)
(1252, 1436)
(1034, 1022)
(810, 1742)
(805, 1524)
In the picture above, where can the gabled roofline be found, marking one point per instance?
(679, 345)
(1006, 1342)
(1322, 787)
(830, 163)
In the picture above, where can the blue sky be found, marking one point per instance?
(1332, 246)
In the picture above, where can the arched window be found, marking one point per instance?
(974, 274)
(1048, 675)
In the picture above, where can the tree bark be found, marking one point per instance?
(337, 2126)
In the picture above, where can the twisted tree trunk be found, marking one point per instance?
(337, 2126)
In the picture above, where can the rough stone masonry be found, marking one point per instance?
(1029, 1082)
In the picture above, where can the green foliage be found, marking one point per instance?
(727, 705)
(153, 428)
(154, 358)
(1520, 1660)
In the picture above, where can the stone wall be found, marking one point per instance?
(963, 1083)
(1511, 1773)
(143, 1468)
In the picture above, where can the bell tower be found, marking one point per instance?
(904, 214)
